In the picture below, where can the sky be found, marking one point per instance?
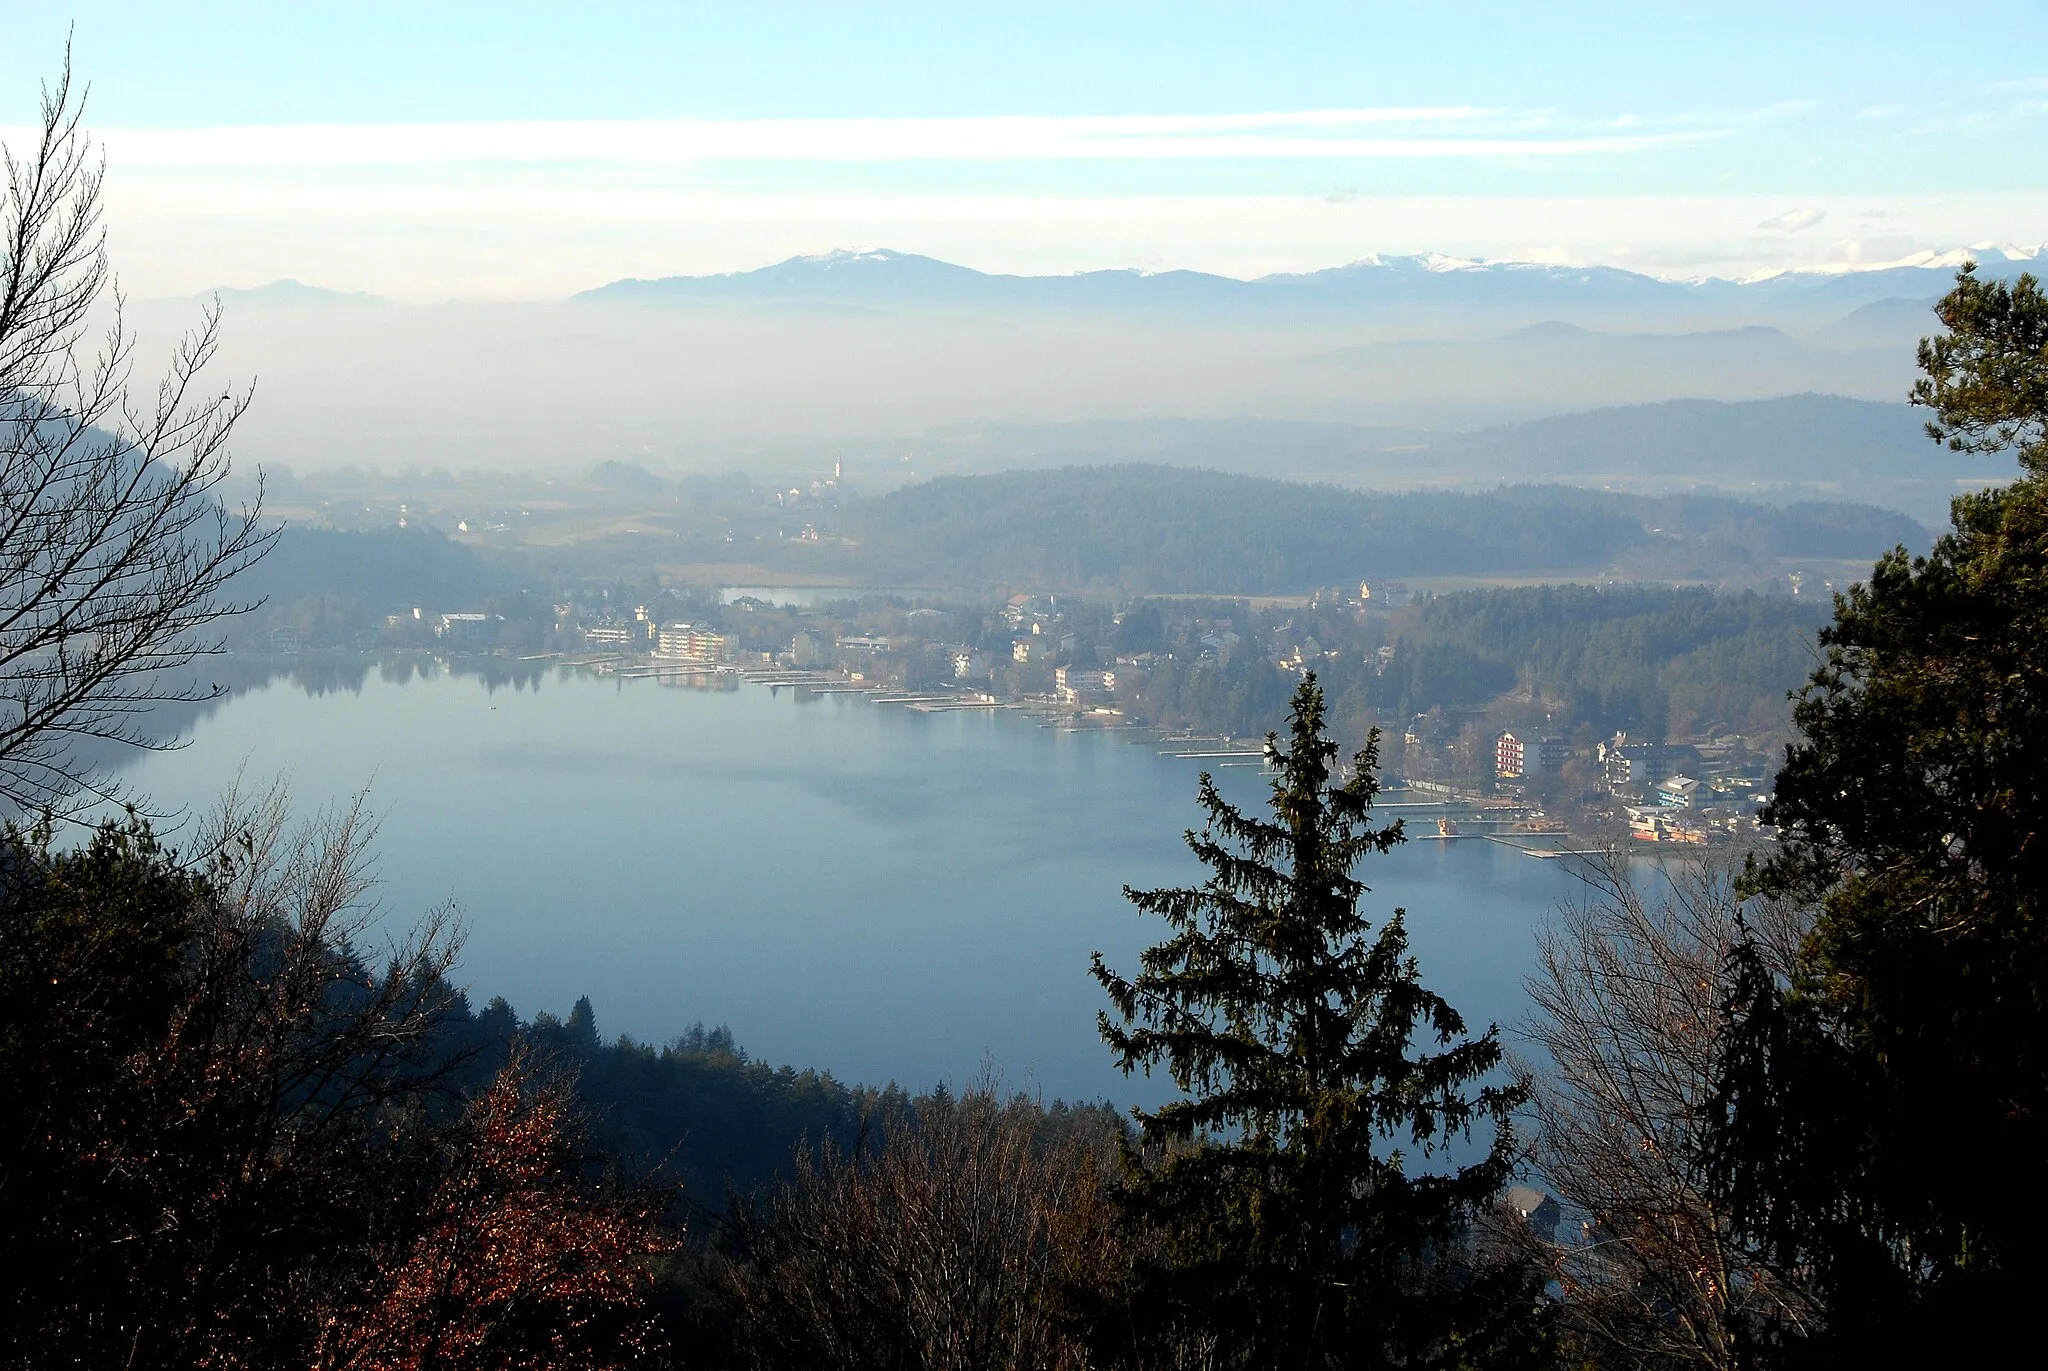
(511, 151)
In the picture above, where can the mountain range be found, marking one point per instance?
(1789, 448)
(867, 350)
(884, 277)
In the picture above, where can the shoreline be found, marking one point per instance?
(1460, 815)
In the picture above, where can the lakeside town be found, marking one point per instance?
(1073, 663)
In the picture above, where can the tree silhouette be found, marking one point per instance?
(1299, 1228)
(1880, 1102)
(115, 552)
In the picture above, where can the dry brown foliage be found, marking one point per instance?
(236, 1142)
(1628, 995)
(514, 1261)
(951, 1242)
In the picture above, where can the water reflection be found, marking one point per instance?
(319, 674)
(849, 885)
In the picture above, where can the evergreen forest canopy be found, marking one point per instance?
(1167, 529)
(1639, 659)
(1158, 529)
(383, 571)
(1649, 660)
(1910, 810)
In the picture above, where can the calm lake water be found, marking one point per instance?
(852, 886)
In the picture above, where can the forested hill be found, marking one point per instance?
(383, 570)
(1167, 529)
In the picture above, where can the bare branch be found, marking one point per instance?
(1628, 992)
(115, 551)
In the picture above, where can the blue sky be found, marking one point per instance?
(515, 150)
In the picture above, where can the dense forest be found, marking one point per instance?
(1172, 530)
(1564, 658)
(381, 570)
(1169, 529)
(1128, 529)
(1643, 659)
(696, 1109)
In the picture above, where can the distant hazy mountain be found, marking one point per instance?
(1793, 439)
(1796, 447)
(1555, 337)
(863, 351)
(1526, 367)
(288, 292)
(626, 478)
(882, 277)
(1892, 323)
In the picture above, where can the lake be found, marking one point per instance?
(847, 885)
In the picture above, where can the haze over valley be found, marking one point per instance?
(1362, 373)
(1370, 693)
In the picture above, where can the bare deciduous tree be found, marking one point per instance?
(114, 546)
(236, 1135)
(206, 1080)
(1628, 994)
(946, 1246)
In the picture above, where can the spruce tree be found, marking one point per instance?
(1288, 1190)
(1884, 1110)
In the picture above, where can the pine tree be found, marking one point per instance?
(1287, 1187)
(1884, 1112)
(580, 1029)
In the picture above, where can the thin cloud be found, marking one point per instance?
(1793, 220)
(1455, 131)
